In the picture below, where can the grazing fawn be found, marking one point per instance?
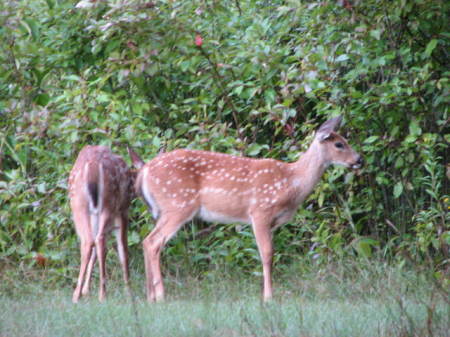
(216, 187)
(100, 191)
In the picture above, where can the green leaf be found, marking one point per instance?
(238, 90)
(254, 149)
(371, 139)
(41, 188)
(375, 34)
(133, 238)
(42, 99)
(185, 65)
(32, 27)
(410, 139)
(269, 95)
(341, 58)
(414, 128)
(321, 199)
(50, 3)
(72, 78)
(430, 47)
(398, 189)
(364, 246)
(156, 141)
(399, 162)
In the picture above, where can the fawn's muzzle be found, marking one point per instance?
(359, 163)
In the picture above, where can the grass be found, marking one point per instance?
(336, 300)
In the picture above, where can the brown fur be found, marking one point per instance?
(100, 190)
(265, 193)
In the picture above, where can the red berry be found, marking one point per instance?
(198, 40)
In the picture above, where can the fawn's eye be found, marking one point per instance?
(339, 145)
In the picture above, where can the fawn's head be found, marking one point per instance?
(334, 148)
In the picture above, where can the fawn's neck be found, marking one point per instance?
(308, 170)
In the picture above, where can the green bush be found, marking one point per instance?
(265, 75)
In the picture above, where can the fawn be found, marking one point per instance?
(100, 191)
(183, 184)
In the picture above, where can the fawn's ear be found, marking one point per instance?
(135, 159)
(326, 130)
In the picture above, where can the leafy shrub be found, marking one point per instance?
(263, 77)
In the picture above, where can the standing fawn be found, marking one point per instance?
(100, 189)
(265, 193)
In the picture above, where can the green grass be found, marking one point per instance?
(337, 300)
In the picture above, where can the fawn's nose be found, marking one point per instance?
(359, 162)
